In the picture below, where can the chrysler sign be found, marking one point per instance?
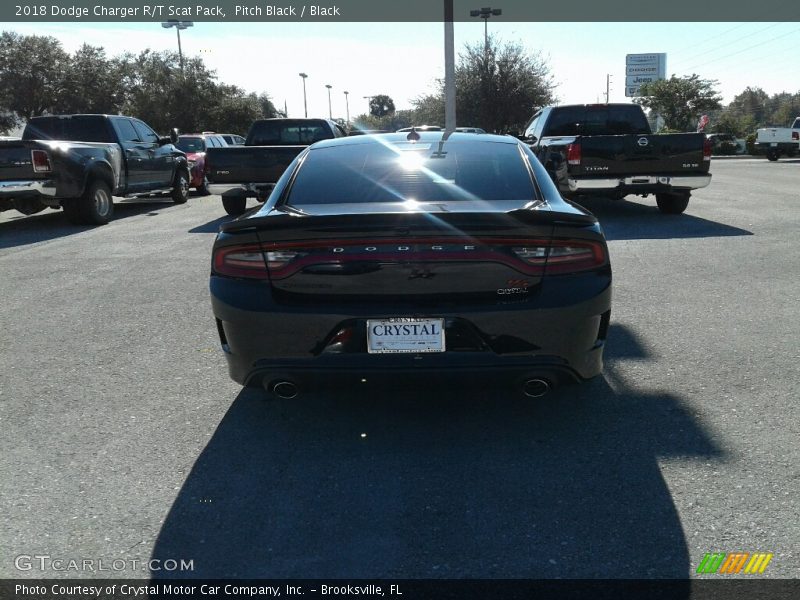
(643, 68)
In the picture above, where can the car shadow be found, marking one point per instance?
(21, 230)
(629, 220)
(461, 484)
(212, 226)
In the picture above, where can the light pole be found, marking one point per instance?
(368, 99)
(178, 25)
(485, 13)
(305, 104)
(330, 112)
(347, 105)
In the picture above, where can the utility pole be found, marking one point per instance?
(305, 104)
(608, 86)
(485, 13)
(347, 106)
(330, 111)
(449, 70)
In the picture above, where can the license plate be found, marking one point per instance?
(405, 334)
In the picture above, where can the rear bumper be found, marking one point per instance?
(643, 183)
(19, 189)
(251, 190)
(560, 334)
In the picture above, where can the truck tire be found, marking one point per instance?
(234, 205)
(672, 203)
(94, 207)
(180, 187)
(773, 155)
(202, 189)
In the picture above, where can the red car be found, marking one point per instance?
(195, 145)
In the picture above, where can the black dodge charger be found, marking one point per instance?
(412, 256)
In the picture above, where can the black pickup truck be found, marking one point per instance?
(251, 171)
(609, 150)
(78, 162)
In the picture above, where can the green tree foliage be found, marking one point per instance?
(31, 75)
(754, 108)
(381, 105)
(38, 77)
(680, 100)
(92, 83)
(497, 88)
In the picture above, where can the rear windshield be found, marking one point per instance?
(75, 129)
(600, 120)
(287, 133)
(375, 172)
(191, 144)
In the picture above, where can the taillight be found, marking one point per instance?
(796, 135)
(706, 149)
(574, 153)
(563, 256)
(241, 261)
(41, 161)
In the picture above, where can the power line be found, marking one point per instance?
(713, 37)
(736, 41)
(742, 50)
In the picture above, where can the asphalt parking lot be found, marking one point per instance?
(123, 437)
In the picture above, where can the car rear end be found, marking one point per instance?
(457, 267)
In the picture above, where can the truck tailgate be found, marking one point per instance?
(249, 164)
(645, 154)
(16, 163)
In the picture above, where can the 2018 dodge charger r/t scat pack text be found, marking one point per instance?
(403, 255)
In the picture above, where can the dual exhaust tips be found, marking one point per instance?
(287, 390)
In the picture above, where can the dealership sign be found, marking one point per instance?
(643, 68)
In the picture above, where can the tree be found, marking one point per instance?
(91, 83)
(497, 88)
(31, 73)
(680, 100)
(381, 105)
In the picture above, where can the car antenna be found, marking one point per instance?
(412, 136)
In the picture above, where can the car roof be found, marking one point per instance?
(424, 136)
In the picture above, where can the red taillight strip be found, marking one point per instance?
(225, 264)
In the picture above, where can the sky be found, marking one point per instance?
(403, 60)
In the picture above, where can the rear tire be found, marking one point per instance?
(234, 205)
(180, 187)
(773, 155)
(673, 203)
(95, 207)
(202, 189)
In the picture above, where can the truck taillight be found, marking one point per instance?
(41, 161)
(574, 153)
(796, 135)
(706, 149)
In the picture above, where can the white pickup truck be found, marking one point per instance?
(775, 141)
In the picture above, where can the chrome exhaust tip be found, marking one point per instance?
(283, 389)
(535, 388)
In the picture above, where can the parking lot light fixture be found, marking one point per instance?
(178, 25)
(485, 13)
(347, 106)
(305, 104)
(330, 111)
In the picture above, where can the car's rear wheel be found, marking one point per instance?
(94, 207)
(773, 155)
(672, 203)
(234, 205)
(180, 187)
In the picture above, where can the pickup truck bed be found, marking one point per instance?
(248, 171)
